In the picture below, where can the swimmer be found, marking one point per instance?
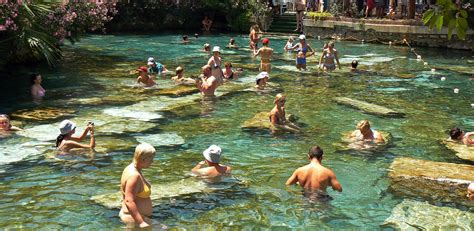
(289, 44)
(460, 136)
(37, 91)
(144, 78)
(278, 115)
(207, 47)
(470, 192)
(228, 72)
(329, 54)
(365, 133)
(265, 53)
(137, 208)
(185, 39)
(5, 125)
(66, 141)
(254, 37)
(179, 78)
(261, 80)
(196, 35)
(354, 65)
(215, 62)
(232, 44)
(303, 48)
(314, 177)
(212, 157)
(156, 67)
(207, 84)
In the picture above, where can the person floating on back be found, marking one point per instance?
(314, 177)
(212, 156)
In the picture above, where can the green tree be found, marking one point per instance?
(450, 15)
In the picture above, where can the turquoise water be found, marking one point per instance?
(43, 192)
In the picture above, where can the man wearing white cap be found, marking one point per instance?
(156, 67)
(212, 156)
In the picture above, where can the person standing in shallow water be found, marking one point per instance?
(136, 190)
(265, 53)
(207, 84)
(37, 91)
(314, 177)
(212, 156)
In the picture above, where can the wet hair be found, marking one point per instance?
(185, 37)
(196, 35)
(363, 124)
(143, 151)
(455, 132)
(33, 78)
(278, 97)
(227, 64)
(60, 139)
(232, 41)
(315, 152)
(354, 63)
(258, 81)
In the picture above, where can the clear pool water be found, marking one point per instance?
(42, 192)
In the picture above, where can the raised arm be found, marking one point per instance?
(131, 191)
(84, 133)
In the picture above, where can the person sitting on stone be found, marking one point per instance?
(470, 192)
(459, 135)
(212, 156)
(206, 24)
(365, 133)
(278, 116)
(5, 125)
(144, 78)
(232, 44)
(314, 177)
(261, 80)
(179, 78)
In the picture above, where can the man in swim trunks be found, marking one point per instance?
(265, 53)
(302, 47)
(459, 135)
(207, 84)
(314, 177)
(253, 37)
(212, 156)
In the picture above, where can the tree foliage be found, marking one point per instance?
(448, 14)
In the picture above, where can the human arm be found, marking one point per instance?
(130, 192)
(255, 53)
(469, 137)
(321, 59)
(84, 133)
(311, 50)
(198, 166)
(379, 138)
(335, 183)
(293, 178)
(337, 59)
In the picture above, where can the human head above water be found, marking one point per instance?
(228, 64)
(4, 122)
(470, 191)
(279, 97)
(232, 41)
(354, 64)
(179, 69)
(265, 41)
(315, 152)
(185, 37)
(455, 133)
(34, 78)
(363, 124)
(142, 152)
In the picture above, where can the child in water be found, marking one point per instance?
(289, 44)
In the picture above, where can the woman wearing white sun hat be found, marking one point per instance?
(66, 141)
(215, 61)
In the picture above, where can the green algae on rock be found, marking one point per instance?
(179, 90)
(261, 121)
(368, 107)
(415, 215)
(461, 150)
(42, 114)
(440, 181)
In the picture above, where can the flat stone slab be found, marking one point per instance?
(158, 191)
(261, 121)
(368, 107)
(436, 180)
(179, 90)
(415, 215)
(42, 114)
(164, 139)
(461, 150)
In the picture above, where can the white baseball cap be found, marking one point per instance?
(302, 37)
(66, 126)
(212, 154)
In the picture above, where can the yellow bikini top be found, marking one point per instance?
(146, 191)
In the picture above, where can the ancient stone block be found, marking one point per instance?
(368, 107)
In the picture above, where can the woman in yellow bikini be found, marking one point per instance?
(136, 206)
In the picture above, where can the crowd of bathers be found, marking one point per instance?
(137, 207)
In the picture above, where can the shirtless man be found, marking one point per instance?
(179, 78)
(314, 177)
(253, 37)
(207, 84)
(265, 53)
(212, 157)
(144, 78)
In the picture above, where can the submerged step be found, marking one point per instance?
(368, 107)
(439, 181)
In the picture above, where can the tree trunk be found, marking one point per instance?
(411, 9)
